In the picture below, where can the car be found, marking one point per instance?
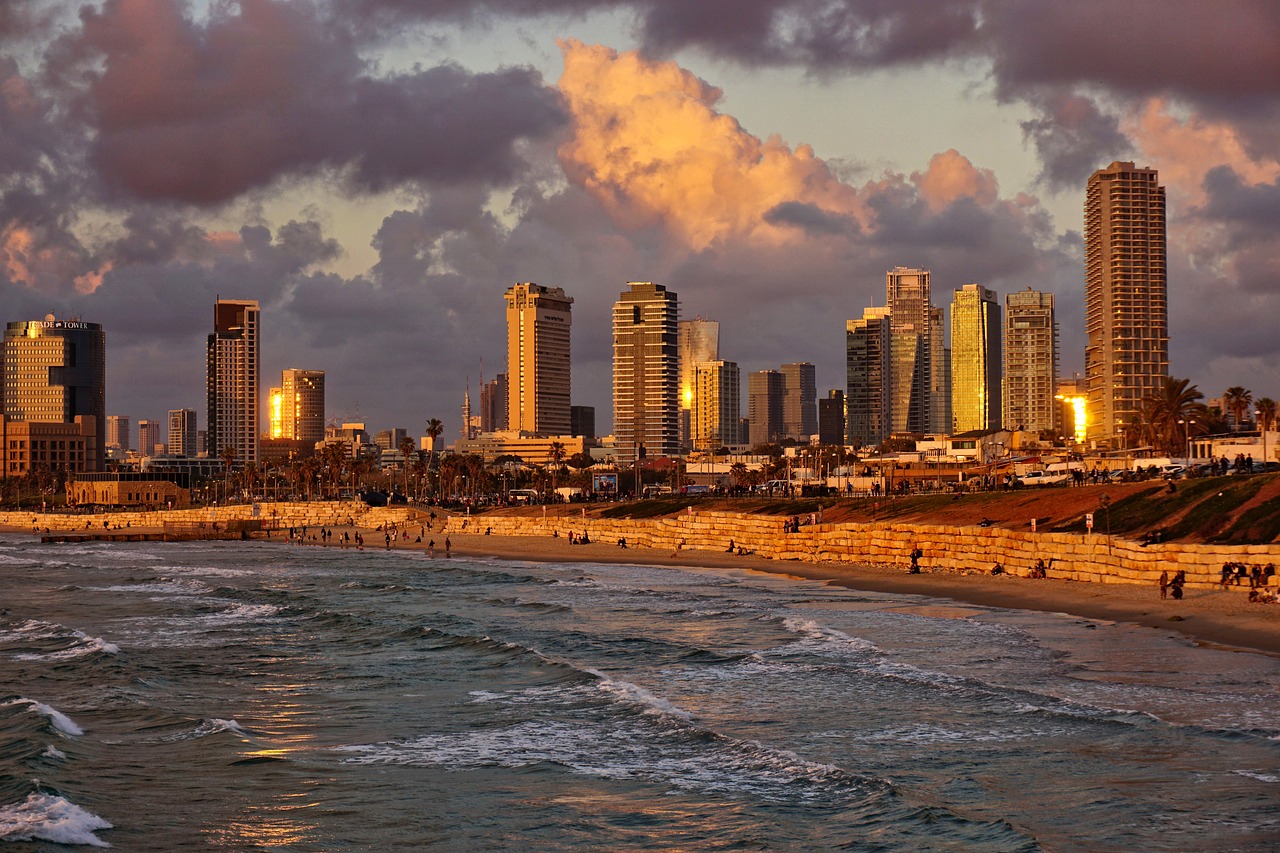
(1043, 478)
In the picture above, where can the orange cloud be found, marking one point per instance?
(18, 253)
(950, 177)
(649, 143)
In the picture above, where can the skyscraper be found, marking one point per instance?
(867, 365)
(493, 404)
(118, 432)
(53, 371)
(182, 432)
(299, 412)
(538, 325)
(232, 380)
(717, 405)
(646, 372)
(831, 429)
(940, 421)
(799, 401)
(976, 362)
(699, 341)
(1126, 298)
(911, 373)
(150, 437)
(764, 407)
(1030, 361)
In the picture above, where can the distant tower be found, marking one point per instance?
(911, 377)
(232, 360)
(699, 341)
(538, 378)
(182, 432)
(1126, 296)
(150, 437)
(799, 401)
(467, 432)
(646, 372)
(831, 419)
(1030, 362)
(976, 363)
(867, 366)
(718, 407)
(764, 407)
(118, 433)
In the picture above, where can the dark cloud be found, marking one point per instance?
(810, 218)
(204, 112)
(1073, 137)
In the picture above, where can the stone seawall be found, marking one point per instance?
(279, 515)
(1093, 558)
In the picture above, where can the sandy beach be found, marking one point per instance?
(1215, 616)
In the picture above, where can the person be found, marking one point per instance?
(731, 548)
(622, 543)
(1164, 584)
(1175, 585)
(431, 548)
(997, 569)
(916, 554)
(448, 546)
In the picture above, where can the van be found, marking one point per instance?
(523, 496)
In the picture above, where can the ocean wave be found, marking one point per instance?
(60, 721)
(45, 817)
(1259, 775)
(158, 586)
(82, 645)
(208, 727)
(52, 753)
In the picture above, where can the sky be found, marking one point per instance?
(378, 172)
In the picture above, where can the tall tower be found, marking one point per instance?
(911, 376)
(303, 393)
(698, 342)
(118, 432)
(718, 406)
(53, 371)
(1030, 361)
(1126, 296)
(646, 372)
(538, 324)
(232, 360)
(764, 407)
(976, 363)
(867, 365)
(150, 437)
(799, 400)
(182, 432)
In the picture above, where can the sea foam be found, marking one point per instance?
(45, 817)
(60, 721)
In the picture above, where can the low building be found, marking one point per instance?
(126, 489)
(32, 446)
(531, 449)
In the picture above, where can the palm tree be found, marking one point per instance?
(1237, 399)
(434, 430)
(406, 448)
(1172, 413)
(556, 454)
(228, 455)
(1266, 414)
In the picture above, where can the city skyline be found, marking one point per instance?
(588, 161)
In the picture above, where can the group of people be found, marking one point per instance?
(1172, 586)
(1240, 574)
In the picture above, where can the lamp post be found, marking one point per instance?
(1188, 424)
(1105, 500)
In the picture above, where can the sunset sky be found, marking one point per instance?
(378, 172)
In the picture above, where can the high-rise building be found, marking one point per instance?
(867, 366)
(297, 406)
(55, 371)
(118, 433)
(911, 373)
(976, 362)
(646, 372)
(831, 419)
(940, 421)
(799, 401)
(182, 432)
(493, 404)
(583, 422)
(1126, 298)
(698, 341)
(717, 404)
(764, 407)
(150, 438)
(1030, 362)
(232, 380)
(538, 325)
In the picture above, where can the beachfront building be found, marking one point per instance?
(1030, 362)
(54, 371)
(911, 377)
(646, 373)
(231, 381)
(764, 407)
(867, 367)
(182, 432)
(297, 406)
(976, 361)
(37, 447)
(538, 378)
(698, 341)
(1126, 299)
(718, 408)
(799, 401)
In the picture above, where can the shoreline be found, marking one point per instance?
(1212, 616)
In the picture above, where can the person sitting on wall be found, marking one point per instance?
(997, 569)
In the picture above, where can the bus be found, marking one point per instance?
(523, 496)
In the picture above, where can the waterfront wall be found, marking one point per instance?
(279, 515)
(1092, 558)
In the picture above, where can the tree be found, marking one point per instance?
(228, 455)
(1174, 414)
(1266, 414)
(556, 454)
(1237, 399)
(406, 449)
(434, 430)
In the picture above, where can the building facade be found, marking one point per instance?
(231, 381)
(582, 421)
(764, 407)
(1030, 362)
(867, 365)
(182, 432)
(911, 374)
(297, 406)
(799, 401)
(1126, 297)
(151, 435)
(976, 361)
(493, 404)
(698, 341)
(831, 425)
(37, 447)
(539, 320)
(646, 372)
(53, 371)
(717, 404)
(118, 432)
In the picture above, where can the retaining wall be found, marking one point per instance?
(1093, 558)
(299, 514)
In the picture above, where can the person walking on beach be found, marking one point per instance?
(916, 554)
(1164, 584)
(448, 546)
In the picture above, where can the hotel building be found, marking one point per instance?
(538, 326)
(232, 359)
(646, 372)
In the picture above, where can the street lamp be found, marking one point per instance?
(1258, 415)
(1188, 424)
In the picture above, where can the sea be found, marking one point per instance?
(259, 696)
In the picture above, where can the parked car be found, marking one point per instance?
(1043, 478)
